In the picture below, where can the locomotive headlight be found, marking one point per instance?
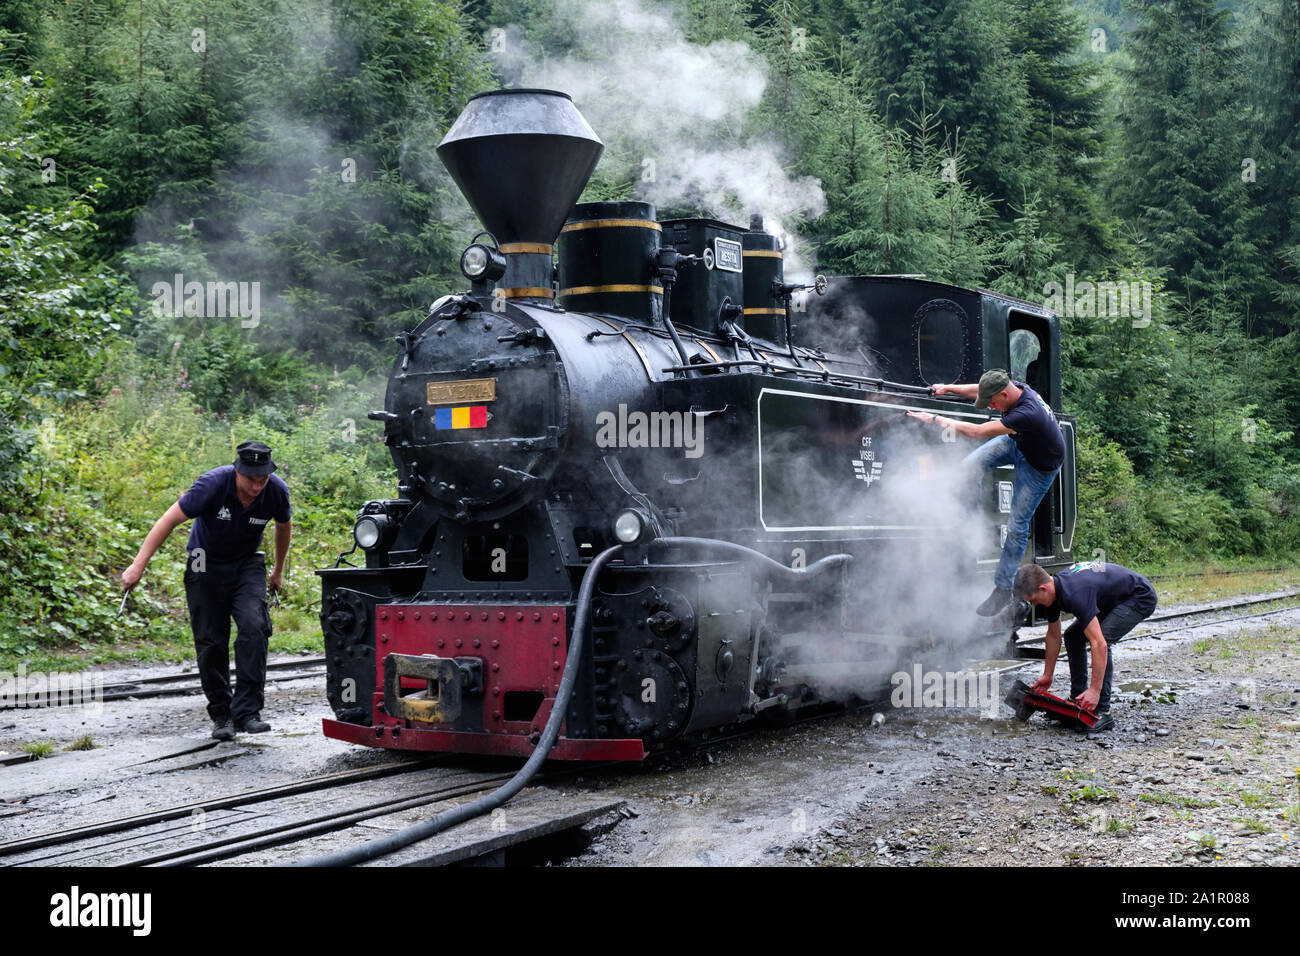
(369, 530)
(629, 526)
(474, 261)
(480, 262)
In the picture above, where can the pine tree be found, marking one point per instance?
(952, 58)
(1181, 175)
(1063, 147)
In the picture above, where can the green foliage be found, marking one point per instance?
(993, 144)
(1181, 177)
(1118, 368)
(104, 471)
(293, 147)
(953, 60)
(57, 309)
(1111, 513)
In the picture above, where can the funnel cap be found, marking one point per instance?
(522, 158)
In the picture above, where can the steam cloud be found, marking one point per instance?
(679, 114)
(675, 111)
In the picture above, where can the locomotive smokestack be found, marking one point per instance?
(522, 158)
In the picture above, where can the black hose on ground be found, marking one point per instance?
(486, 804)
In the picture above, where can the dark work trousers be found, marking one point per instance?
(1114, 624)
(222, 591)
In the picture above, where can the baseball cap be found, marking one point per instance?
(991, 382)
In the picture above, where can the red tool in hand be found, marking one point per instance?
(1024, 701)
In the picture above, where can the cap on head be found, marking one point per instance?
(991, 382)
(253, 458)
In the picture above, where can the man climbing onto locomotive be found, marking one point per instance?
(1107, 601)
(225, 577)
(1028, 437)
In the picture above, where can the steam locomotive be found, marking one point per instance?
(644, 495)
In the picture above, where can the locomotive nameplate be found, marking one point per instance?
(727, 255)
(459, 393)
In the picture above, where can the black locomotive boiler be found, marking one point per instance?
(644, 494)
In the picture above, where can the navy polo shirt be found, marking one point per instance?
(1094, 589)
(1035, 430)
(223, 528)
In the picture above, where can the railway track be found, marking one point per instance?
(234, 825)
(1216, 608)
(1228, 605)
(171, 685)
(1217, 573)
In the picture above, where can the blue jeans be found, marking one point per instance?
(1114, 624)
(1027, 491)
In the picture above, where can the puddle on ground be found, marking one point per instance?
(978, 726)
(999, 665)
(1006, 728)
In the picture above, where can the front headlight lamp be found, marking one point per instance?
(629, 526)
(369, 531)
(480, 263)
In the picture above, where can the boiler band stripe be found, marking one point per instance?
(611, 223)
(538, 247)
(617, 287)
(528, 292)
(645, 361)
(764, 253)
(705, 345)
(765, 311)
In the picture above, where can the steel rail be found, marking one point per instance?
(244, 797)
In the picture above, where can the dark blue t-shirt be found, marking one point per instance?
(223, 528)
(1093, 589)
(1036, 432)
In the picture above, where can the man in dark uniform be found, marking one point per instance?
(1107, 601)
(225, 577)
(1028, 437)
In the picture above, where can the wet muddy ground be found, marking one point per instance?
(1201, 768)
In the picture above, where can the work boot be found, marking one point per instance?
(994, 602)
(1021, 611)
(253, 724)
(1104, 722)
(223, 729)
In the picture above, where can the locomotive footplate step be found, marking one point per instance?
(1025, 701)
(527, 818)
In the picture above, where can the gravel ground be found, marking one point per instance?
(1201, 769)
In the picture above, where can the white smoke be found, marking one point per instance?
(677, 112)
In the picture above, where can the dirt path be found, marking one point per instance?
(1202, 768)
